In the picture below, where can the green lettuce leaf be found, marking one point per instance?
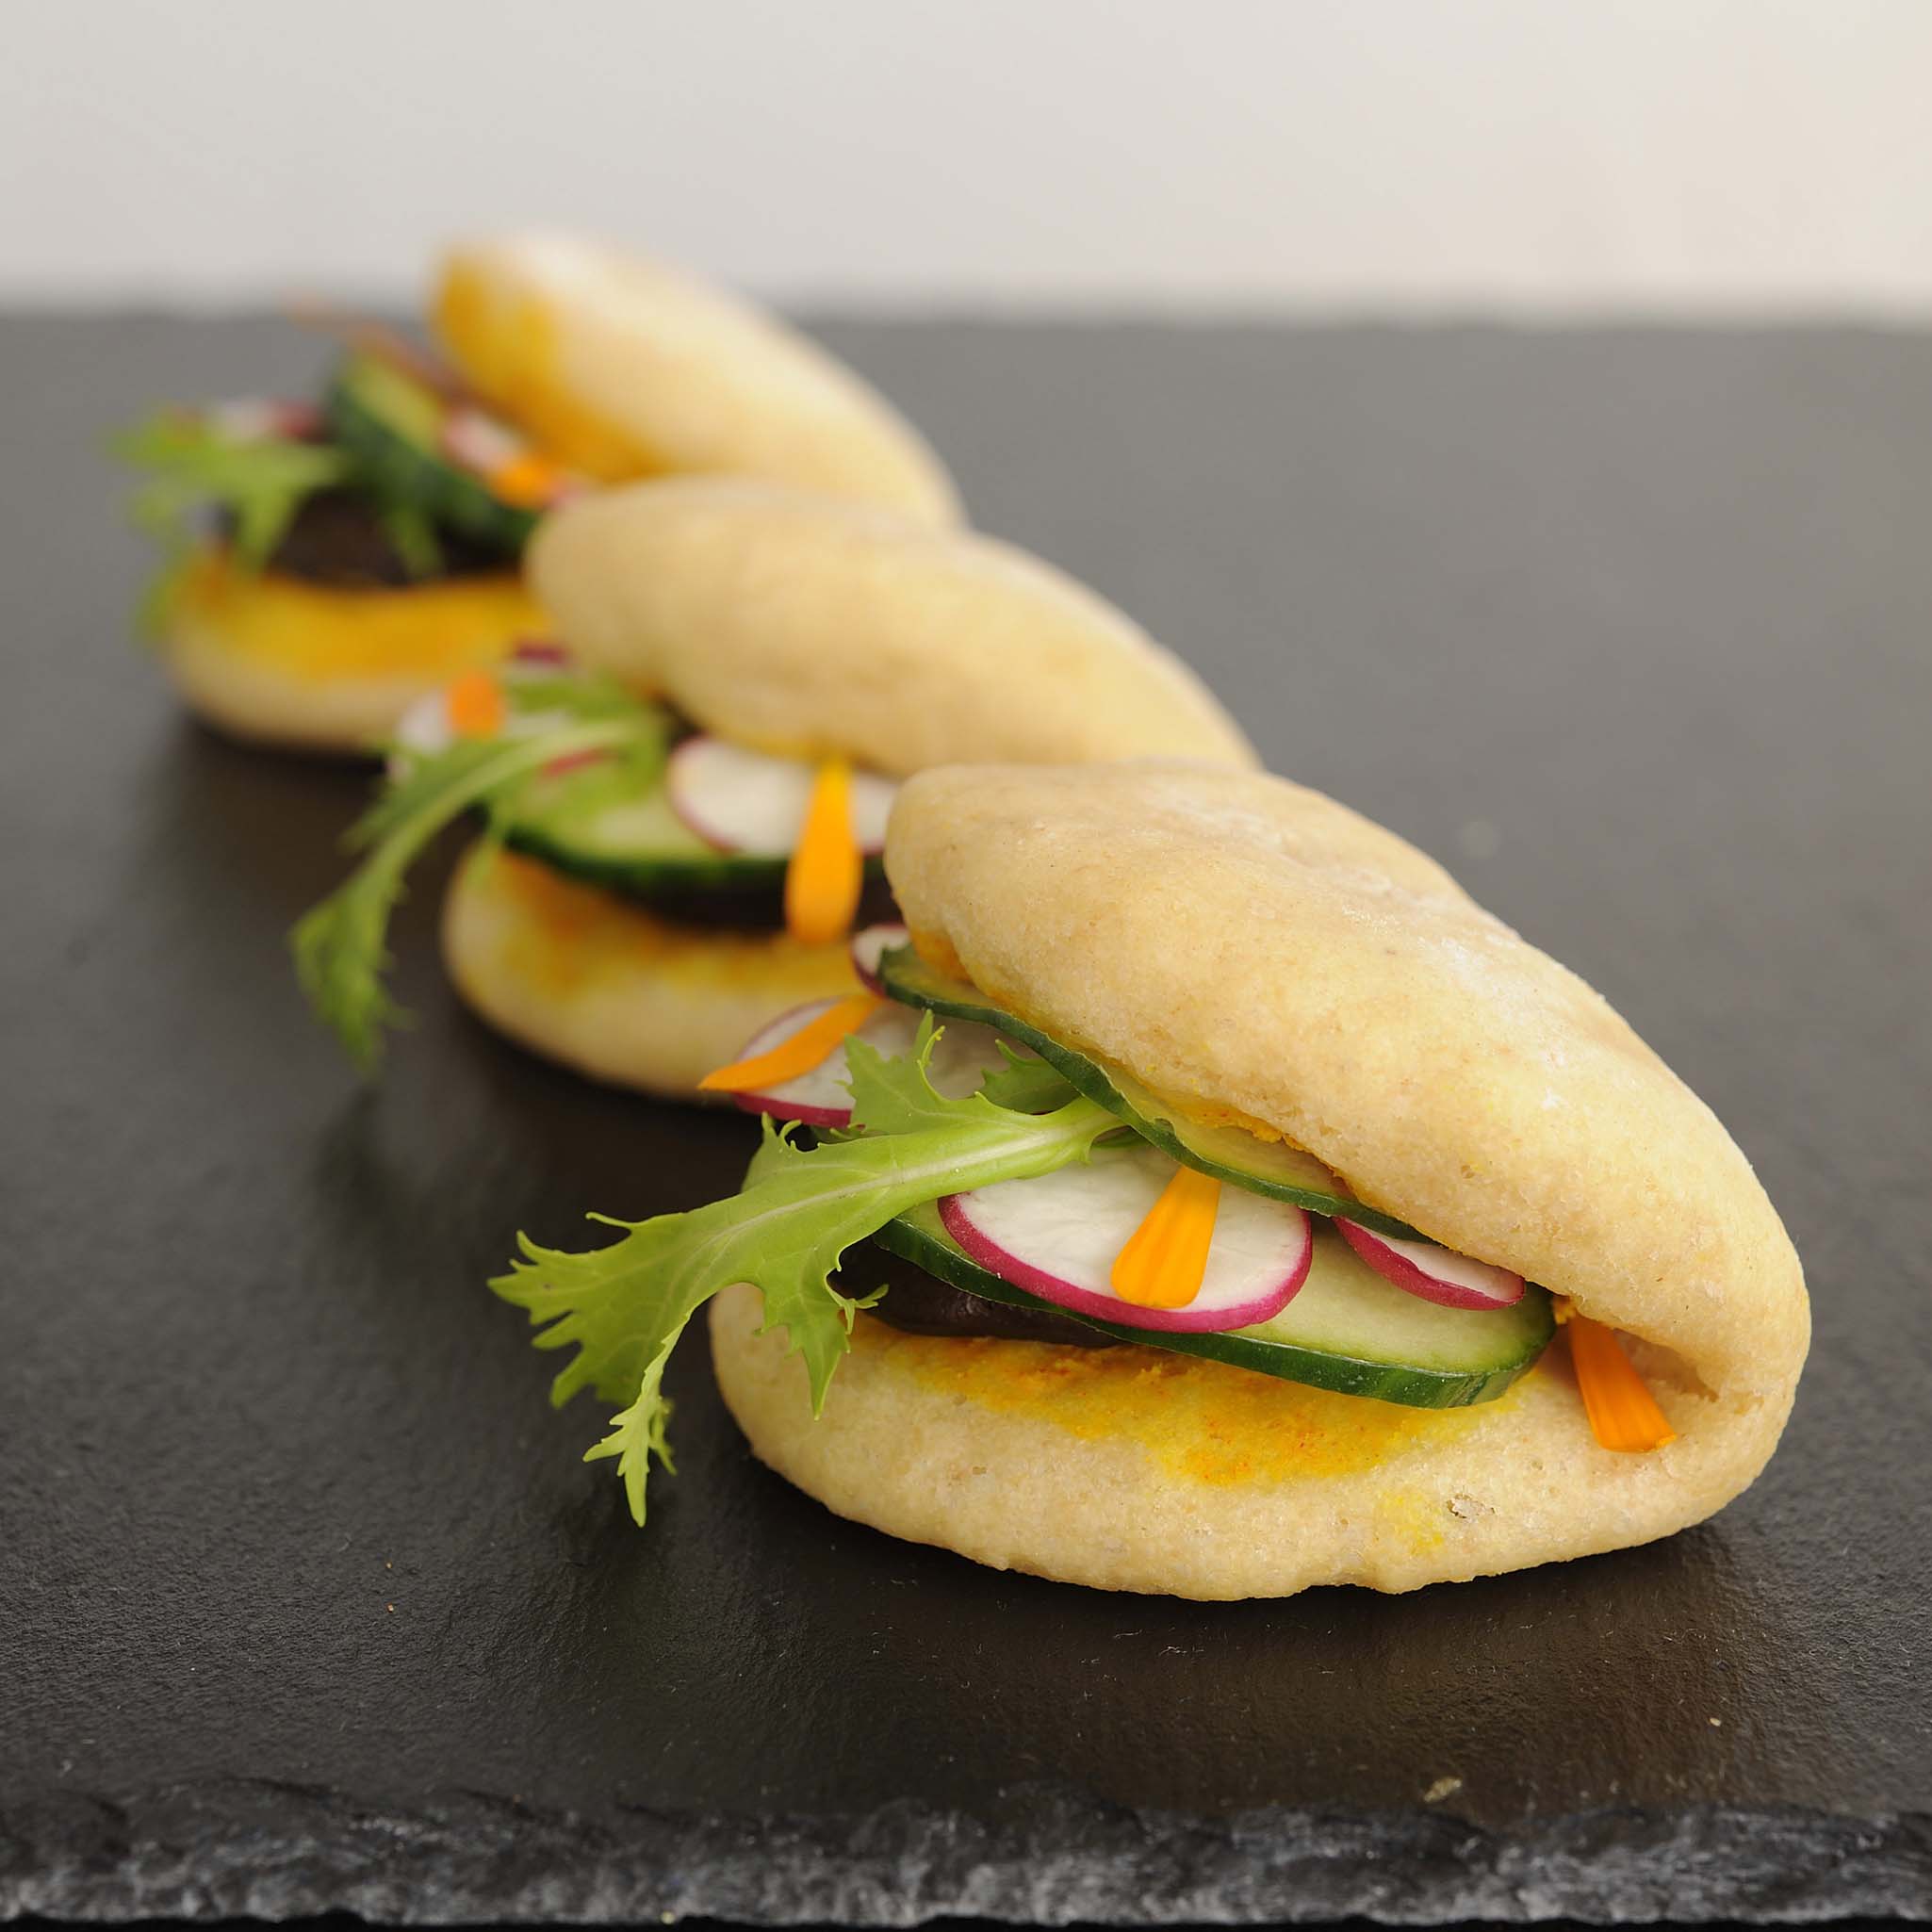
(1026, 1083)
(340, 947)
(623, 1307)
(574, 693)
(412, 535)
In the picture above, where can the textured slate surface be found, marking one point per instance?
(308, 1603)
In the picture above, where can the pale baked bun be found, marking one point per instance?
(622, 366)
(1140, 1469)
(312, 667)
(798, 624)
(1256, 953)
(610, 989)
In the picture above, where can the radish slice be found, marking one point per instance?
(424, 729)
(266, 419)
(741, 800)
(480, 443)
(1056, 1237)
(574, 762)
(543, 653)
(1436, 1274)
(299, 422)
(869, 946)
(962, 1056)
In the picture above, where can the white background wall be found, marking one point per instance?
(1386, 154)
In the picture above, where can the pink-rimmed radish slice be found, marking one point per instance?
(870, 945)
(962, 1056)
(1436, 1274)
(540, 653)
(504, 462)
(1058, 1236)
(266, 419)
(480, 443)
(424, 729)
(576, 762)
(753, 802)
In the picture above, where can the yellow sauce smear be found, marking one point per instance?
(810, 1047)
(1166, 1258)
(1216, 1424)
(322, 634)
(826, 873)
(567, 936)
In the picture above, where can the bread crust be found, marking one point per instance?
(1252, 949)
(302, 666)
(1143, 1470)
(626, 367)
(802, 625)
(606, 986)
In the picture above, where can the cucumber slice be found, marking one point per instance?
(637, 845)
(1347, 1330)
(1243, 1160)
(393, 425)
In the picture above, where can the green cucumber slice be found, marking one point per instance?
(636, 845)
(392, 425)
(1264, 1167)
(1347, 1330)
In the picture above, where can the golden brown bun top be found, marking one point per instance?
(624, 367)
(1252, 949)
(802, 624)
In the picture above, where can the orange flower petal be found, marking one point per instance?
(475, 706)
(1166, 1258)
(828, 872)
(529, 481)
(810, 1047)
(1623, 1412)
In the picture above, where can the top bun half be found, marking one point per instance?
(1259, 955)
(804, 625)
(622, 366)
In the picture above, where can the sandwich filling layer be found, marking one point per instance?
(1279, 1109)
(623, 822)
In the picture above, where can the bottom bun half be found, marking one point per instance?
(1139, 1469)
(310, 667)
(606, 986)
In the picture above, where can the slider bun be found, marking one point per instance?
(1256, 953)
(321, 668)
(798, 624)
(623, 366)
(1137, 1470)
(603, 985)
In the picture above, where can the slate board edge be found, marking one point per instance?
(272, 1851)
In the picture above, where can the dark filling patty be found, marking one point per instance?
(336, 539)
(916, 1302)
(758, 909)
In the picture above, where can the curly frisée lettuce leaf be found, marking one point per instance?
(341, 945)
(1026, 1084)
(623, 1307)
(580, 693)
(192, 460)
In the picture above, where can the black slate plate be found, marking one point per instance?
(308, 1604)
